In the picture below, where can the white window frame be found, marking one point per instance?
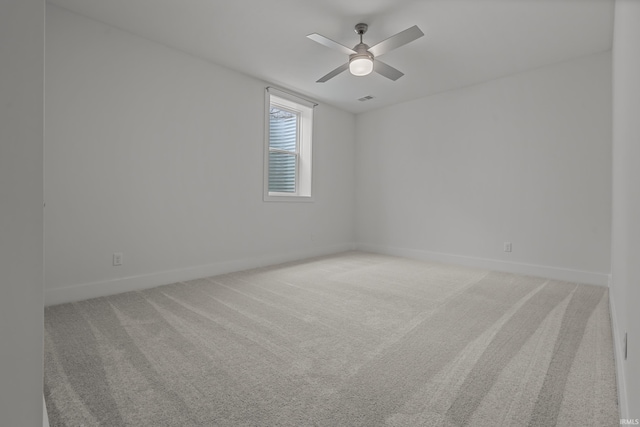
(304, 147)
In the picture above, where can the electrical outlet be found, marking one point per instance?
(117, 258)
(507, 246)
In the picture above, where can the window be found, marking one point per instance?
(288, 134)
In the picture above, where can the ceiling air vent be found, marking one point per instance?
(365, 98)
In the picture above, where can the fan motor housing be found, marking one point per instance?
(361, 50)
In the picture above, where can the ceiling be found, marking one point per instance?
(466, 41)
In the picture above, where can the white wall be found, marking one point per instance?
(625, 268)
(158, 155)
(524, 158)
(21, 216)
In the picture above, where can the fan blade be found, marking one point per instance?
(400, 39)
(334, 73)
(330, 43)
(386, 70)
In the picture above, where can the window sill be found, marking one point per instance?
(293, 199)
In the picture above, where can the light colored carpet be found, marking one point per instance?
(355, 339)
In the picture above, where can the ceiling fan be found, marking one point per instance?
(362, 58)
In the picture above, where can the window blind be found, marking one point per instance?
(283, 150)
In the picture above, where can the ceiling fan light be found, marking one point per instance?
(361, 65)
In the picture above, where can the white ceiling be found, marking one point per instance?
(466, 41)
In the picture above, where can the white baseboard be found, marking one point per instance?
(618, 351)
(45, 416)
(577, 276)
(145, 281)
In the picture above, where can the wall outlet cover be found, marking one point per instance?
(117, 258)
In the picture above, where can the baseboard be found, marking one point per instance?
(618, 351)
(555, 273)
(145, 281)
(45, 416)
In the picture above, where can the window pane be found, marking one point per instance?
(283, 129)
(282, 172)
